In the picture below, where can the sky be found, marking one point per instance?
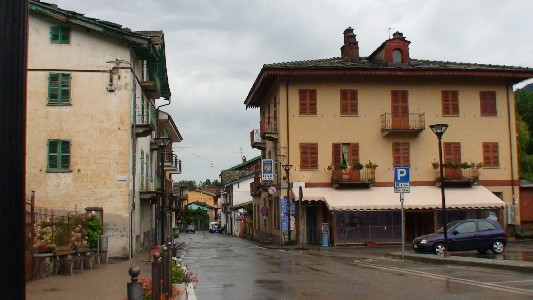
(216, 48)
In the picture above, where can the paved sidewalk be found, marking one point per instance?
(105, 281)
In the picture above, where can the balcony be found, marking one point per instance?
(256, 141)
(353, 178)
(269, 129)
(255, 186)
(411, 125)
(145, 120)
(458, 175)
(172, 163)
(150, 89)
(149, 189)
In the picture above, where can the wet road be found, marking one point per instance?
(233, 268)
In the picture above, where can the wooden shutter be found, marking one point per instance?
(349, 102)
(65, 154)
(490, 154)
(308, 156)
(452, 152)
(307, 102)
(336, 151)
(400, 154)
(487, 100)
(354, 153)
(450, 103)
(53, 146)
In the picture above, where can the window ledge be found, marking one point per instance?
(59, 171)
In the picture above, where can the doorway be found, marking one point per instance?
(311, 224)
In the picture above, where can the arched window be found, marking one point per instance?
(397, 56)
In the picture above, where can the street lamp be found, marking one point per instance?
(439, 130)
(162, 143)
(287, 168)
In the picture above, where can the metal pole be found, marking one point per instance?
(289, 202)
(134, 288)
(445, 222)
(156, 276)
(403, 227)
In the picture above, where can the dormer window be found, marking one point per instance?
(397, 56)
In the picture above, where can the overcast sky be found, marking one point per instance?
(215, 50)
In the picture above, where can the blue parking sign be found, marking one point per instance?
(401, 174)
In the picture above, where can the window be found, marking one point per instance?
(485, 226)
(60, 35)
(452, 152)
(59, 88)
(308, 156)
(450, 103)
(58, 155)
(308, 104)
(349, 103)
(397, 56)
(347, 153)
(490, 154)
(487, 100)
(400, 154)
(468, 227)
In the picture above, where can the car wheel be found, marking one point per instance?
(497, 246)
(482, 251)
(439, 248)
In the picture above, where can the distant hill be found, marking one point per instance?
(528, 88)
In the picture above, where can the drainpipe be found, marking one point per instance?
(511, 121)
(133, 162)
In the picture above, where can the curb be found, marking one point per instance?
(511, 265)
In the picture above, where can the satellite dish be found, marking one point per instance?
(271, 190)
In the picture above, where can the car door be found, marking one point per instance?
(463, 237)
(485, 234)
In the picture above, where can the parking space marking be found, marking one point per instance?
(449, 278)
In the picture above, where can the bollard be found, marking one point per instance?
(135, 291)
(164, 270)
(156, 277)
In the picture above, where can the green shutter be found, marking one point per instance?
(58, 155)
(59, 88)
(60, 35)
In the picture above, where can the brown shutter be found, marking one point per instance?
(452, 152)
(344, 102)
(313, 156)
(336, 155)
(349, 102)
(450, 103)
(490, 154)
(308, 156)
(307, 102)
(303, 101)
(354, 153)
(487, 100)
(312, 102)
(400, 154)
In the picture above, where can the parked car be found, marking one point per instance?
(190, 229)
(214, 227)
(465, 235)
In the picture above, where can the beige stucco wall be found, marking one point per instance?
(97, 124)
(328, 127)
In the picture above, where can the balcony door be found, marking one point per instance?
(399, 109)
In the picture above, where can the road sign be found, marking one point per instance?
(402, 189)
(401, 184)
(401, 174)
(264, 211)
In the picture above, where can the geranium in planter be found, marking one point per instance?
(181, 277)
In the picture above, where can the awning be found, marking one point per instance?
(420, 197)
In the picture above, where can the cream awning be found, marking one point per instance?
(384, 198)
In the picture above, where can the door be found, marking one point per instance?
(399, 110)
(311, 224)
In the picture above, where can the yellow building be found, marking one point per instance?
(93, 124)
(343, 124)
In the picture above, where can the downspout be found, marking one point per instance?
(513, 187)
(288, 150)
(133, 158)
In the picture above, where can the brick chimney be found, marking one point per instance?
(350, 49)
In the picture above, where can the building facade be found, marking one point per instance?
(93, 123)
(341, 125)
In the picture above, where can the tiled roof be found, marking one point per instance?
(363, 63)
(231, 176)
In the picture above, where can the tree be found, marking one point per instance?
(197, 217)
(524, 110)
(191, 184)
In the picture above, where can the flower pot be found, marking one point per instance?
(179, 291)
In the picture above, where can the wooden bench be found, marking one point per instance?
(85, 255)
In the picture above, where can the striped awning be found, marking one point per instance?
(420, 197)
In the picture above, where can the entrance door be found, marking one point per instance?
(399, 109)
(312, 224)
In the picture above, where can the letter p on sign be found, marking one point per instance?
(401, 174)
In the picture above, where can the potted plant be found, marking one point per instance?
(358, 166)
(181, 277)
(371, 166)
(435, 164)
(342, 166)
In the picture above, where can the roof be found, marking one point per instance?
(245, 163)
(233, 176)
(420, 197)
(203, 204)
(364, 67)
(148, 45)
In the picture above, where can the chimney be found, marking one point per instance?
(350, 49)
(243, 159)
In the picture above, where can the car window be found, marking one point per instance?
(467, 227)
(484, 226)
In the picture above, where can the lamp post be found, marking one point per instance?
(439, 130)
(287, 168)
(162, 143)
